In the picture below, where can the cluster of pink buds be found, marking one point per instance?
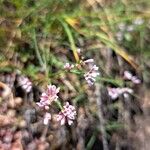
(91, 75)
(67, 114)
(68, 66)
(48, 97)
(114, 93)
(129, 76)
(25, 83)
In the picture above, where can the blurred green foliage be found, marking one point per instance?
(35, 30)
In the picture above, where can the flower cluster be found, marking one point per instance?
(48, 97)
(124, 28)
(91, 75)
(25, 83)
(114, 93)
(67, 114)
(68, 66)
(93, 72)
(129, 76)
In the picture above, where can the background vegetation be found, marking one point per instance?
(38, 37)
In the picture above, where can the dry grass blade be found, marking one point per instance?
(71, 40)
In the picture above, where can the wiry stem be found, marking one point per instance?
(37, 50)
(101, 117)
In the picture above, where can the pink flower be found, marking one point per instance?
(67, 114)
(68, 66)
(129, 76)
(126, 90)
(135, 80)
(114, 93)
(25, 83)
(48, 97)
(47, 117)
(89, 61)
(91, 75)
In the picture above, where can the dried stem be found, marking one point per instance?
(44, 132)
(101, 117)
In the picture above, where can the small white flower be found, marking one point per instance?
(25, 83)
(126, 95)
(89, 61)
(126, 90)
(114, 93)
(135, 80)
(127, 75)
(122, 26)
(68, 66)
(119, 36)
(130, 28)
(47, 118)
(138, 21)
(79, 50)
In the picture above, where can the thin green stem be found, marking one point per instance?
(37, 50)
(59, 104)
